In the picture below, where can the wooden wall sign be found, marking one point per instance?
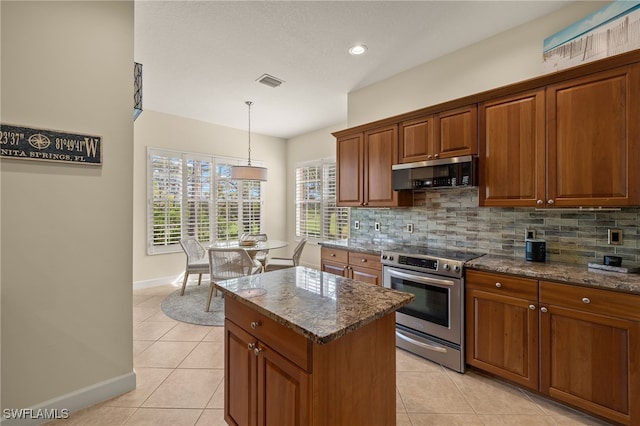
(25, 143)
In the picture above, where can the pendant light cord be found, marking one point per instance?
(249, 103)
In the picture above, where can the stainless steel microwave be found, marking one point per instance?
(442, 173)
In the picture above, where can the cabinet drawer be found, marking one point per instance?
(365, 260)
(334, 255)
(287, 342)
(592, 300)
(503, 284)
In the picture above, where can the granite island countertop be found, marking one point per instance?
(558, 272)
(318, 305)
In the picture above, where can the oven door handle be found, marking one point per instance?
(418, 278)
(435, 348)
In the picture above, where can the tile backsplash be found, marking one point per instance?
(452, 219)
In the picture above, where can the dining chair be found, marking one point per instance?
(197, 261)
(226, 263)
(260, 256)
(275, 263)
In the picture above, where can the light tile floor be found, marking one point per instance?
(180, 367)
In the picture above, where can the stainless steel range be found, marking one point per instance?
(431, 326)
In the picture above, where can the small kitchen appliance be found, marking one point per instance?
(432, 326)
(535, 250)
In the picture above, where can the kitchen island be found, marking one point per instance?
(310, 348)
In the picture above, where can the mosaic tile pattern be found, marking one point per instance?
(452, 219)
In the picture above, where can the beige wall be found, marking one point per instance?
(509, 57)
(66, 229)
(157, 130)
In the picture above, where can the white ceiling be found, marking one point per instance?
(201, 59)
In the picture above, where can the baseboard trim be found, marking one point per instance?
(77, 400)
(155, 282)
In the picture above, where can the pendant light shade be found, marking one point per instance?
(249, 172)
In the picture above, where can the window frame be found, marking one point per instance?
(327, 201)
(184, 198)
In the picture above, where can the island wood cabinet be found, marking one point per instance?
(364, 177)
(588, 156)
(275, 376)
(352, 264)
(588, 340)
(443, 135)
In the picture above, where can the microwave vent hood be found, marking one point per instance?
(441, 173)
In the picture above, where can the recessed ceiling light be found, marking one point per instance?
(358, 49)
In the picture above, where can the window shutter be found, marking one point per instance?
(165, 213)
(199, 200)
(317, 215)
(335, 220)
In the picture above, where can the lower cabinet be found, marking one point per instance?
(502, 326)
(588, 341)
(352, 264)
(275, 376)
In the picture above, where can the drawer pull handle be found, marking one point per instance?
(363, 260)
(532, 307)
(333, 255)
(498, 285)
(256, 351)
(543, 309)
(251, 346)
(255, 324)
(586, 300)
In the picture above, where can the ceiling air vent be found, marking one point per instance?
(269, 80)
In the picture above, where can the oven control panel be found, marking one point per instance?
(424, 263)
(418, 262)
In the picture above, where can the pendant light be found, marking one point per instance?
(249, 172)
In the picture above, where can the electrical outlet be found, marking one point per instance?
(614, 236)
(356, 224)
(530, 234)
(376, 226)
(410, 227)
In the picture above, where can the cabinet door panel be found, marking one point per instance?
(367, 275)
(512, 150)
(593, 139)
(335, 268)
(502, 336)
(240, 392)
(283, 391)
(349, 170)
(416, 140)
(457, 132)
(590, 361)
(381, 152)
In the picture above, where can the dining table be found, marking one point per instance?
(251, 249)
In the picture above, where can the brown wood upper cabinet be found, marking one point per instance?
(588, 156)
(364, 163)
(446, 134)
(456, 132)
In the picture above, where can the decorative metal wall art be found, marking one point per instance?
(137, 90)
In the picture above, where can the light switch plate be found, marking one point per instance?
(356, 224)
(376, 226)
(410, 227)
(529, 234)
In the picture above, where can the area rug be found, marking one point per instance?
(190, 307)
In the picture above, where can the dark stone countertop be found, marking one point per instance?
(318, 305)
(558, 272)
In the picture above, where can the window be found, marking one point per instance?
(192, 195)
(317, 215)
